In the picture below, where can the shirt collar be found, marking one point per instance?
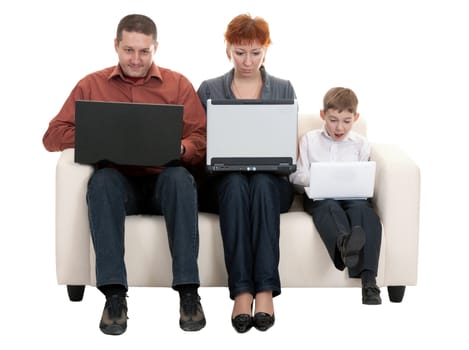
(351, 136)
(228, 80)
(154, 72)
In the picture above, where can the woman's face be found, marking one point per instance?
(247, 58)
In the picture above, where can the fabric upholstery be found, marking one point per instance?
(304, 261)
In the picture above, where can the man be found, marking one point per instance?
(116, 191)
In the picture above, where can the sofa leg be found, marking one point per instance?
(75, 293)
(396, 293)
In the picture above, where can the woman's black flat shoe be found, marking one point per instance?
(263, 321)
(242, 323)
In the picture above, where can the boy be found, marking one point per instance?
(350, 229)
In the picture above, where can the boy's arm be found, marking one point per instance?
(300, 178)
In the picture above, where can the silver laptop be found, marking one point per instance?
(252, 135)
(128, 133)
(341, 180)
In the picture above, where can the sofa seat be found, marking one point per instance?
(304, 261)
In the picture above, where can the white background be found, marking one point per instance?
(406, 60)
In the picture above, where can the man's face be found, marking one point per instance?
(135, 52)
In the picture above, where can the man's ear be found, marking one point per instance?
(155, 46)
(116, 44)
(356, 116)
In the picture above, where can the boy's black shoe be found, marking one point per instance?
(114, 318)
(370, 294)
(350, 246)
(192, 316)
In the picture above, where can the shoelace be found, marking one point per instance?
(115, 305)
(189, 303)
(371, 290)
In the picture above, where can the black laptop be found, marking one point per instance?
(127, 133)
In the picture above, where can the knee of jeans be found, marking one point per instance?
(234, 184)
(101, 178)
(176, 175)
(360, 205)
(329, 204)
(262, 183)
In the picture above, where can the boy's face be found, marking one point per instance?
(338, 124)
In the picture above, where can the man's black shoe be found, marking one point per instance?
(370, 294)
(114, 318)
(350, 246)
(192, 316)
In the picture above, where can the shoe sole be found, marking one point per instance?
(113, 329)
(192, 326)
(354, 244)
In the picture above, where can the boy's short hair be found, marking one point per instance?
(340, 98)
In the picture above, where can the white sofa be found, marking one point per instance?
(303, 258)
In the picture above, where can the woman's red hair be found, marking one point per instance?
(245, 29)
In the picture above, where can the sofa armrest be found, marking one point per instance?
(71, 223)
(397, 201)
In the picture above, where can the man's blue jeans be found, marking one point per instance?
(172, 193)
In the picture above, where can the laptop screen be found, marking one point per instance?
(252, 135)
(341, 180)
(127, 133)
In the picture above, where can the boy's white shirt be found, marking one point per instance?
(318, 146)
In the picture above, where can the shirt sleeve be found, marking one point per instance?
(301, 176)
(204, 94)
(365, 150)
(194, 127)
(61, 131)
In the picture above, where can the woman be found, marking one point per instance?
(249, 204)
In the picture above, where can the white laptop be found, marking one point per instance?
(341, 180)
(252, 135)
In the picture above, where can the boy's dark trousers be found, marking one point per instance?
(333, 218)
